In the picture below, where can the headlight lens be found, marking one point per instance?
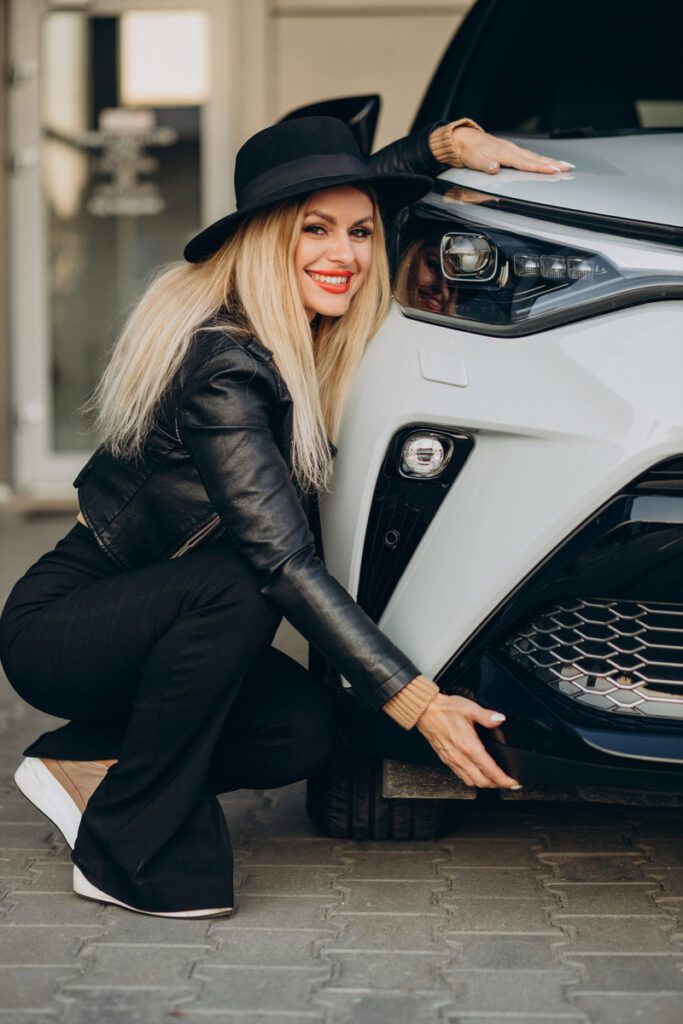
(463, 266)
(467, 257)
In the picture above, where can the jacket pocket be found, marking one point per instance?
(197, 537)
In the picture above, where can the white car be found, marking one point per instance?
(508, 493)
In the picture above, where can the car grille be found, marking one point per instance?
(625, 657)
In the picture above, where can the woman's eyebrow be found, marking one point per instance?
(323, 216)
(333, 220)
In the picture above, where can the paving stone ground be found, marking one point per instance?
(526, 914)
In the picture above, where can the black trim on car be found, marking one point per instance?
(401, 511)
(655, 292)
(640, 230)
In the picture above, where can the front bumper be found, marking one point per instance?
(554, 751)
(570, 492)
(546, 741)
(557, 735)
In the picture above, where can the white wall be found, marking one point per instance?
(328, 49)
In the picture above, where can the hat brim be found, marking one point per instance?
(394, 191)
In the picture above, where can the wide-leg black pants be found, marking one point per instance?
(168, 668)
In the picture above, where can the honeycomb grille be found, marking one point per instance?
(625, 657)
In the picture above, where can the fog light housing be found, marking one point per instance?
(425, 455)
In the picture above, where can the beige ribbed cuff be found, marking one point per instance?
(406, 706)
(443, 145)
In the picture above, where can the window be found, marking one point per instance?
(543, 67)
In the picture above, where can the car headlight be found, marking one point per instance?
(466, 263)
(468, 257)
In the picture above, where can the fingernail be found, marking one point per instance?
(493, 165)
(566, 163)
(518, 786)
(497, 717)
(554, 167)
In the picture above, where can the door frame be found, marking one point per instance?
(37, 469)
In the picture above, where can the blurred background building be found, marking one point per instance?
(120, 121)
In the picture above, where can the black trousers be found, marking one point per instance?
(168, 668)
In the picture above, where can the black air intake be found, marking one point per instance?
(401, 511)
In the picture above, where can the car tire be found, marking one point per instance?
(344, 800)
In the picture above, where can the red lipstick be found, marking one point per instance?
(337, 288)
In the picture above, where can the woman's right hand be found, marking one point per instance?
(448, 725)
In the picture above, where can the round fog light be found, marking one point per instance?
(423, 455)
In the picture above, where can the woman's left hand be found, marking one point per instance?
(483, 152)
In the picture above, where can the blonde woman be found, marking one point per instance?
(150, 624)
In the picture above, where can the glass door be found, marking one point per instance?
(119, 114)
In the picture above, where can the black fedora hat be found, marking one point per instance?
(292, 159)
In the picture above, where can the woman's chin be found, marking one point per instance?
(332, 305)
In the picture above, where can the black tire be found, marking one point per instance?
(344, 800)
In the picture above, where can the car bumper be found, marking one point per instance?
(548, 741)
(551, 752)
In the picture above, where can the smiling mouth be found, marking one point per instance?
(337, 283)
(430, 300)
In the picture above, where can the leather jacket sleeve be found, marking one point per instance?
(410, 154)
(224, 422)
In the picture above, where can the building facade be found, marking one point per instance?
(120, 121)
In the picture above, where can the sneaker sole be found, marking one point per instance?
(82, 887)
(39, 786)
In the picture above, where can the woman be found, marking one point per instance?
(150, 624)
(420, 282)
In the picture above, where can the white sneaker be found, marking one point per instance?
(60, 789)
(84, 888)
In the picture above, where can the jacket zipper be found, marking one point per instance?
(197, 537)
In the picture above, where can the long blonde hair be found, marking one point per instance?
(252, 277)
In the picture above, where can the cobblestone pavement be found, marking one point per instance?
(547, 914)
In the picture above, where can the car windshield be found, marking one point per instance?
(583, 67)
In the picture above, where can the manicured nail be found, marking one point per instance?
(565, 163)
(493, 165)
(497, 717)
(518, 786)
(554, 167)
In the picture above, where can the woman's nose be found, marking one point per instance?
(340, 248)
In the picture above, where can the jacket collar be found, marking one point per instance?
(254, 346)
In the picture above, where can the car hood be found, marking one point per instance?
(635, 177)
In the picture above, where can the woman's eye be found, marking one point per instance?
(320, 229)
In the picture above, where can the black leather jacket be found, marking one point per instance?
(217, 463)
